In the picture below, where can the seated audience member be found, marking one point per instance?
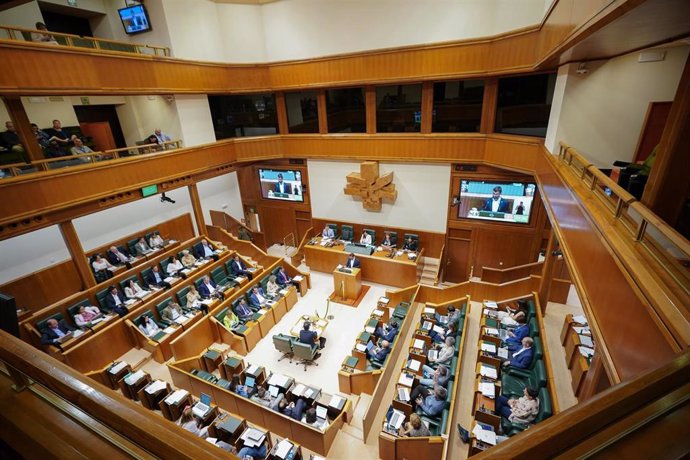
(365, 238)
(294, 409)
(85, 315)
(434, 377)
(209, 288)
(515, 336)
(100, 264)
(414, 428)
(171, 312)
(115, 302)
(522, 358)
(237, 387)
(10, 140)
(160, 136)
(188, 260)
(142, 248)
(387, 332)
(379, 353)
(244, 313)
(134, 291)
(453, 316)
(56, 133)
(440, 337)
(509, 317)
(194, 300)
(428, 404)
(203, 250)
(310, 418)
(387, 242)
(41, 136)
(306, 335)
(254, 452)
(53, 150)
(149, 327)
(189, 423)
(410, 245)
(272, 287)
(152, 144)
(352, 261)
(54, 331)
(264, 398)
(156, 280)
(79, 147)
(118, 257)
(175, 268)
(231, 320)
(257, 298)
(243, 233)
(43, 36)
(520, 410)
(445, 353)
(328, 233)
(283, 278)
(238, 268)
(156, 241)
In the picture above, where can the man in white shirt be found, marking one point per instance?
(162, 137)
(328, 233)
(496, 203)
(365, 238)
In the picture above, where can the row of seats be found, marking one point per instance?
(347, 233)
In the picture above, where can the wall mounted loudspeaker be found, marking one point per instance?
(8, 315)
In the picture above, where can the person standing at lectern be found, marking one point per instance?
(280, 186)
(496, 203)
(352, 262)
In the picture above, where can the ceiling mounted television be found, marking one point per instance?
(509, 202)
(135, 19)
(281, 184)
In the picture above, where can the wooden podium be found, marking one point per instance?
(347, 286)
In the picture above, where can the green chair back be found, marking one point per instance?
(145, 274)
(100, 297)
(304, 351)
(220, 316)
(334, 227)
(394, 237)
(131, 244)
(162, 305)
(182, 296)
(42, 324)
(348, 232)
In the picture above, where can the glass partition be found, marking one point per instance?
(399, 109)
(457, 106)
(524, 104)
(302, 112)
(346, 110)
(243, 115)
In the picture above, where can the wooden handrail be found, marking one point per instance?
(440, 265)
(299, 254)
(113, 410)
(71, 38)
(504, 275)
(571, 428)
(92, 157)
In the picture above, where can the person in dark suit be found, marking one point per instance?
(387, 332)
(352, 262)
(379, 353)
(515, 336)
(306, 335)
(155, 278)
(242, 310)
(54, 331)
(209, 288)
(203, 250)
(116, 302)
(522, 358)
(280, 186)
(257, 298)
(238, 268)
(410, 245)
(282, 277)
(294, 409)
(496, 203)
(118, 256)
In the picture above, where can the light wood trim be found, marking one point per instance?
(69, 235)
(370, 108)
(322, 111)
(198, 210)
(499, 276)
(427, 106)
(281, 111)
(489, 102)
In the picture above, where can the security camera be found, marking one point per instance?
(582, 69)
(165, 199)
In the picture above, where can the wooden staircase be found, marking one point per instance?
(430, 271)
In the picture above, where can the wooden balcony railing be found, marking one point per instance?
(20, 34)
(500, 276)
(83, 159)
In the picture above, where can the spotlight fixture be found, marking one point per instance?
(165, 199)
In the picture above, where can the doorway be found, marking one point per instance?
(102, 124)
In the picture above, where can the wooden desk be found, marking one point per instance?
(399, 271)
(115, 374)
(317, 324)
(290, 294)
(131, 389)
(151, 397)
(211, 359)
(302, 284)
(231, 366)
(173, 410)
(347, 285)
(227, 428)
(295, 452)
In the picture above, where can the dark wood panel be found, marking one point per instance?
(276, 223)
(456, 270)
(501, 249)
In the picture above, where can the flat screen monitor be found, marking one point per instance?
(135, 19)
(281, 184)
(497, 201)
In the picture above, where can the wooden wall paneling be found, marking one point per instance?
(458, 259)
(69, 235)
(559, 290)
(44, 287)
(489, 105)
(547, 272)
(277, 222)
(97, 351)
(322, 111)
(281, 111)
(370, 107)
(652, 129)
(302, 226)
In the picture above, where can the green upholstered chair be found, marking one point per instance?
(125, 282)
(348, 232)
(145, 276)
(305, 353)
(283, 344)
(159, 308)
(100, 297)
(334, 227)
(42, 324)
(394, 237)
(132, 246)
(220, 276)
(182, 296)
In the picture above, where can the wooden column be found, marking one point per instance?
(427, 106)
(323, 112)
(370, 105)
(198, 210)
(668, 185)
(547, 272)
(69, 234)
(489, 105)
(23, 126)
(281, 111)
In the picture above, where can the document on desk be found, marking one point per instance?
(483, 435)
(487, 389)
(176, 396)
(336, 402)
(586, 351)
(369, 329)
(426, 325)
(298, 390)
(490, 304)
(438, 329)
(131, 379)
(580, 319)
(414, 365)
(429, 311)
(283, 448)
(491, 330)
(298, 278)
(181, 319)
(503, 353)
(253, 437)
(117, 367)
(377, 313)
(418, 344)
(406, 379)
(97, 320)
(586, 341)
(489, 347)
(361, 347)
(487, 371)
(169, 330)
(129, 302)
(278, 380)
(155, 387)
(169, 279)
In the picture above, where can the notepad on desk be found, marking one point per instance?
(406, 379)
(117, 367)
(488, 347)
(487, 389)
(586, 341)
(169, 330)
(278, 380)
(283, 448)
(253, 369)
(580, 319)
(491, 330)
(298, 390)
(131, 379)
(418, 344)
(129, 302)
(336, 402)
(490, 304)
(181, 319)
(503, 353)
(438, 329)
(586, 351)
(483, 435)
(156, 387)
(361, 347)
(429, 311)
(176, 396)
(487, 371)
(414, 365)
(298, 278)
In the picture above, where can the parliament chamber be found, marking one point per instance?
(326, 229)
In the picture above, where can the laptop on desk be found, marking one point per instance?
(249, 381)
(202, 407)
(370, 345)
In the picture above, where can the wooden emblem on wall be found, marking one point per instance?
(370, 187)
